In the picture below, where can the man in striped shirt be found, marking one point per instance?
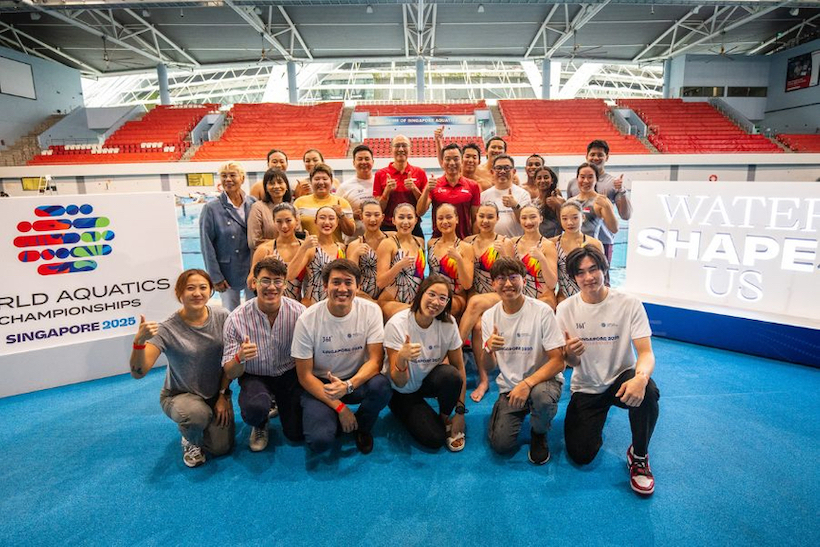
(258, 336)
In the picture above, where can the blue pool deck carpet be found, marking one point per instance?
(735, 456)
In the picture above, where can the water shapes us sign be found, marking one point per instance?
(82, 268)
(743, 249)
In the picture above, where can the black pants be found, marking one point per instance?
(255, 401)
(586, 416)
(424, 424)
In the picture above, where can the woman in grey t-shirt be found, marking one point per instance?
(195, 394)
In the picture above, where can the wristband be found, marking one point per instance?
(401, 369)
(238, 360)
(138, 346)
(341, 407)
(526, 382)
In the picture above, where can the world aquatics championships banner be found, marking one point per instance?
(744, 249)
(83, 268)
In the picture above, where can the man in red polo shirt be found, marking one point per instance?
(399, 182)
(463, 193)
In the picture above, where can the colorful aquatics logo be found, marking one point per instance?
(66, 245)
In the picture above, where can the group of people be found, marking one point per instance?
(346, 311)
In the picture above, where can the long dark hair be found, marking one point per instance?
(428, 282)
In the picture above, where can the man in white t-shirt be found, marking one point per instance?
(358, 188)
(337, 345)
(601, 326)
(524, 341)
(509, 197)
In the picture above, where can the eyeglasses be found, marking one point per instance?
(266, 282)
(502, 168)
(442, 298)
(513, 278)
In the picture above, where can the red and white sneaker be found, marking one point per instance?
(640, 475)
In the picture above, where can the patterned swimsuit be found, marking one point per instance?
(533, 266)
(482, 282)
(367, 264)
(445, 265)
(408, 280)
(313, 286)
(567, 283)
(294, 287)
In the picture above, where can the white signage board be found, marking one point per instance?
(746, 249)
(83, 268)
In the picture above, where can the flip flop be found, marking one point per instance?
(451, 441)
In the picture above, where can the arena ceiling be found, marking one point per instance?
(128, 37)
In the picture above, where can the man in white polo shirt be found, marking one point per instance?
(337, 345)
(601, 326)
(523, 340)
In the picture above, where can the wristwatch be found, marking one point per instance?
(350, 387)
(461, 409)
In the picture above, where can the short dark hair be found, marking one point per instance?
(285, 206)
(536, 156)
(506, 265)
(495, 138)
(182, 281)
(504, 157)
(273, 174)
(274, 151)
(429, 281)
(321, 168)
(575, 257)
(362, 148)
(472, 146)
(452, 146)
(597, 143)
(273, 265)
(321, 156)
(591, 166)
(341, 265)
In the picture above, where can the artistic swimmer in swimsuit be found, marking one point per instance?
(400, 263)
(314, 254)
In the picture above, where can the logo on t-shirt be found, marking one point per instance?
(605, 325)
(580, 325)
(327, 339)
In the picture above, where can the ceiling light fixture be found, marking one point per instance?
(35, 16)
(257, 10)
(696, 10)
(794, 12)
(369, 9)
(146, 13)
(481, 8)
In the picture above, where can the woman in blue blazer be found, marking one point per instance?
(223, 235)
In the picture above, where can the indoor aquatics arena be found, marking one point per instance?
(342, 272)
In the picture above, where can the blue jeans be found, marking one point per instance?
(230, 298)
(321, 423)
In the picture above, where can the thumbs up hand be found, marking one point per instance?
(574, 346)
(495, 342)
(508, 200)
(409, 351)
(247, 350)
(145, 331)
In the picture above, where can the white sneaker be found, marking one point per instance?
(192, 454)
(259, 439)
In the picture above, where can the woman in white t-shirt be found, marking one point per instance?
(417, 341)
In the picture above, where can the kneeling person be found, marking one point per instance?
(601, 326)
(523, 340)
(417, 341)
(338, 350)
(258, 337)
